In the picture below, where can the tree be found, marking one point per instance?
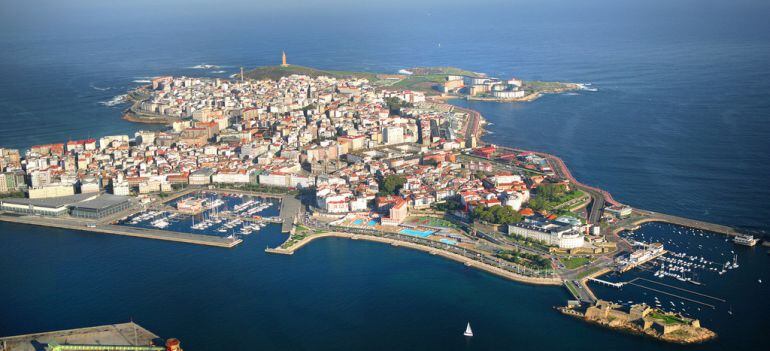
(395, 104)
(496, 214)
(538, 203)
(391, 184)
(430, 162)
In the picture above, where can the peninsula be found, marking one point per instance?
(355, 155)
(434, 82)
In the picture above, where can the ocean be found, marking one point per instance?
(677, 124)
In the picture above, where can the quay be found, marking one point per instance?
(78, 224)
(604, 282)
(649, 256)
(290, 209)
(650, 216)
(123, 336)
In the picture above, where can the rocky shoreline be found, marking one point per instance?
(132, 114)
(643, 320)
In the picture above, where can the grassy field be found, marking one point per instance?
(571, 287)
(431, 222)
(588, 272)
(423, 78)
(423, 71)
(277, 72)
(666, 318)
(574, 262)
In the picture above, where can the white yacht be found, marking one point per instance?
(747, 240)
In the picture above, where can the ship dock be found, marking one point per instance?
(645, 216)
(640, 257)
(106, 228)
(123, 336)
(289, 212)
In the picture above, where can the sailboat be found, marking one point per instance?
(468, 331)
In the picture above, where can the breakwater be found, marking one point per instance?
(77, 224)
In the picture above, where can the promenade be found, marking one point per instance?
(470, 262)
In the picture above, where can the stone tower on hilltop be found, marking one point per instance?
(283, 59)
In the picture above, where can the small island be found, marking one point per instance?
(643, 319)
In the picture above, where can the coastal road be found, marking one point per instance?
(598, 201)
(473, 126)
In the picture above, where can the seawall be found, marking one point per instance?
(449, 255)
(207, 240)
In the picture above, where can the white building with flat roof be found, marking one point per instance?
(393, 135)
(551, 233)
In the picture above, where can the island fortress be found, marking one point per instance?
(374, 157)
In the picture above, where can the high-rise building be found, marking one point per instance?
(393, 135)
(424, 131)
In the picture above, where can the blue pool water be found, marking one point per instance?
(358, 222)
(414, 232)
(372, 223)
(448, 241)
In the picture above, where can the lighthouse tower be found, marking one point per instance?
(283, 59)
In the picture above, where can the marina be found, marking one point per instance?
(689, 278)
(225, 219)
(223, 214)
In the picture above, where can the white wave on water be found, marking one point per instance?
(99, 88)
(586, 87)
(141, 80)
(205, 66)
(218, 71)
(403, 71)
(571, 94)
(117, 100)
(234, 75)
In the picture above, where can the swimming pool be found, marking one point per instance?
(372, 223)
(448, 241)
(358, 221)
(414, 232)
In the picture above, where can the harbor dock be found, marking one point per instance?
(290, 208)
(78, 224)
(650, 216)
(122, 336)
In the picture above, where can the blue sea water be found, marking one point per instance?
(678, 124)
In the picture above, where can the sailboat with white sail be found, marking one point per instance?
(468, 331)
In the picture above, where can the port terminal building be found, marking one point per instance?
(90, 206)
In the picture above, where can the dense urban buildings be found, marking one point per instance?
(363, 151)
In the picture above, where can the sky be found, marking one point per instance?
(29, 17)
